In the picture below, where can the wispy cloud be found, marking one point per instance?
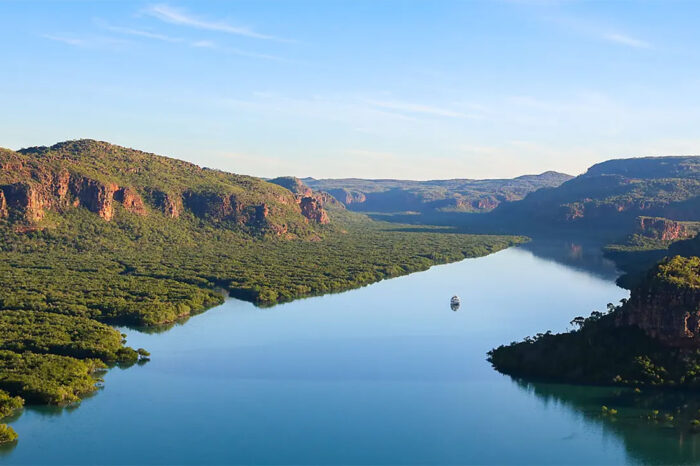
(88, 42)
(624, 39)
(140, 33)
(172, 15)
(195, 43)
(598, 29)
(205, 44)
(417, 108)
(66, 40)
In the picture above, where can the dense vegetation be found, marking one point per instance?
(133, 270)
(7, 434)
(599, 352)
(9, 404)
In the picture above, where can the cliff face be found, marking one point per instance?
(131, 200)
(168, 203)
(312, 204)
(311, 208)
(666, 305)
(3, 206)
(348, 197)
(29, 201)
(663, 229)
(99, 176)
(222, 208)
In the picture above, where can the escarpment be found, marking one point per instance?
(3, 205)
(666, 305)
(112, 181)
(348, 197)
(663, 229)
(29, 201)
(311, 209)
(131, 200)
(312, 203)
(94, 195)
(219, 207)
(168, 203)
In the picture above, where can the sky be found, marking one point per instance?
(372, 89)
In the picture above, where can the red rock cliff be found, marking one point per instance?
(665, 306)
(663, 229)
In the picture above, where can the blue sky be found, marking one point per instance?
(369, 89)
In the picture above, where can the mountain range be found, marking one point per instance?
(457, 195)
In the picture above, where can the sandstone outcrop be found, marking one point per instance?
(311, 208)
(169, 204)
(131, 200)
(24, 201)
(3, 205)
(218, 207)
(312, 204)
(348, 197)
(94, 195)
(663, 229)
(666, 305)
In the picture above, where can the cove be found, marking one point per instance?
(385, 374)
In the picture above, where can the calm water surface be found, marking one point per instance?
(386, 374)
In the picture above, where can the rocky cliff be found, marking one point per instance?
(666, 305)
(664, 229)
(312, 204)
(99, 176)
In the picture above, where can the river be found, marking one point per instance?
(385, 374)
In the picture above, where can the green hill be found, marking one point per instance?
(99, 176)
(93, 234)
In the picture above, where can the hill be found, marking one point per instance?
(612, 195)
(93, 234)
(99, 176)
(459, 195)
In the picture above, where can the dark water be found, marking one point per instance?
(386, 374)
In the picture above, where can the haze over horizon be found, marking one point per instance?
(357, 89)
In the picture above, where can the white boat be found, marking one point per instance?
(454, 303)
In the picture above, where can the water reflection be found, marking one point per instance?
(654, 425)
(583, 254)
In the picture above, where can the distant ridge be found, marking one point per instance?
(614, 194)
(460, 195)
